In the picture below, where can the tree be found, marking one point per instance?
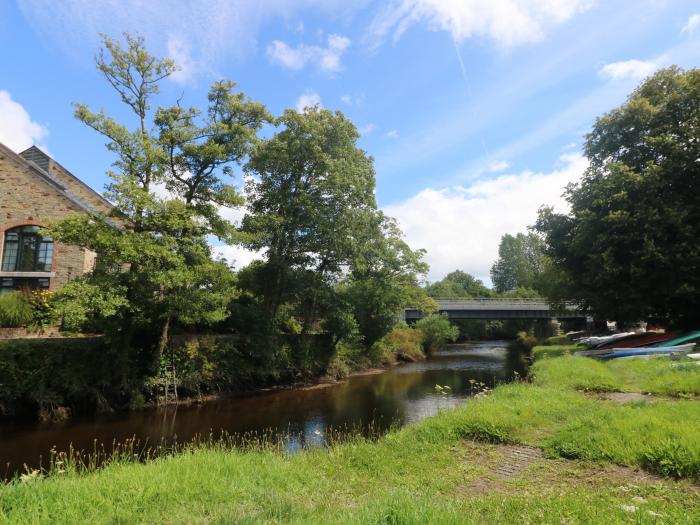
(520, 262)
(384, 279)
(629, 247)
(154, 247)
(437, 331)
(310, 189)
(458, 285)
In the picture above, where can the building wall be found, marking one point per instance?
(77, 188)
(25, 198)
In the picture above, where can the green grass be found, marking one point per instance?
(421, 473)
(659, 376)
(577, 373)
(554, 350)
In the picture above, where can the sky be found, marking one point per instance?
(475, 111)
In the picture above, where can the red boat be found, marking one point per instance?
(639, 340)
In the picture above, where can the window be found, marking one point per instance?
(26, 250)
(9, 284)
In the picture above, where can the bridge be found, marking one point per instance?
(501, 309)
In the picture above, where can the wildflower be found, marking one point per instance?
(629, 508)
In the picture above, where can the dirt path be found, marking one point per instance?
(524, 470)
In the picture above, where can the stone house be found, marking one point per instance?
(36, 190)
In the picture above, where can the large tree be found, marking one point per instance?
(520, 262)
(458, 285)
(630, 247)
(309, 189)
(152, 246)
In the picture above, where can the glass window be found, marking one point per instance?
(26, 250)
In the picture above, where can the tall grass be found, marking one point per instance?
(15, 310)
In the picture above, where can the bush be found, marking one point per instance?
(437, 330)
(15, 310)
(524, 343)
(43, 377)
(403, 343)
(557, 340)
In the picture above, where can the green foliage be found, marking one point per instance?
(458, 285)
(628, 247)
(81, 303)
(15, 310)
(437, 331)
(152, 249)
(402, 343)
(524, 342)
(557, 340)
(43, 376)
(520, 262)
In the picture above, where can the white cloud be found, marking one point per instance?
(629, 69)
(460, 227)
(498, 165)
(366, 130)
(507, 22)
(692, 25)
(308, 99)
(216, 30)
(181, 52)
(347, 99)
(392, 134)
(17, 130)
(326, 58)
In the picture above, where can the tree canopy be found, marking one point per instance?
(630, 245)
(520, 262)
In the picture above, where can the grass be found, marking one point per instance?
(554, 350)
(421, 473)
(659, 376)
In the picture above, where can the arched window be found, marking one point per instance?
(26, 250)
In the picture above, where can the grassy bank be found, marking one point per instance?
(443, 470)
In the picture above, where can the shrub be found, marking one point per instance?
(524, 342)
(15, 310)
(403, 343)
(557, 340)
(437, 330)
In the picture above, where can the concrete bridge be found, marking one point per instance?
(501, 309)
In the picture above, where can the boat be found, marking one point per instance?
(648, 352)
(601, 340)
(693, 356)
(691, 337)
(637, 340)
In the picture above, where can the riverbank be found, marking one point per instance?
(540, 452)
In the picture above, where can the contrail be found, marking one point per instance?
(469, 88)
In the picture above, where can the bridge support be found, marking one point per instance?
(547, 328)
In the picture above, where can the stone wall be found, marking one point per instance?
(27, 199)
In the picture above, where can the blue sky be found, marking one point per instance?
(474, 110)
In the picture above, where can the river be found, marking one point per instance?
(401, 395)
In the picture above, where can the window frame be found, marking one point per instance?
(14, 242)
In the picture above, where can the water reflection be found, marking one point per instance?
(399, 396)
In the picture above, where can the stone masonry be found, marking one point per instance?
(37, 192)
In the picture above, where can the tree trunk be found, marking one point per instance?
(163, 342)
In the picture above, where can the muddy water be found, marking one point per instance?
(399, 396)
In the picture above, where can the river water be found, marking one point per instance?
(367, 403)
